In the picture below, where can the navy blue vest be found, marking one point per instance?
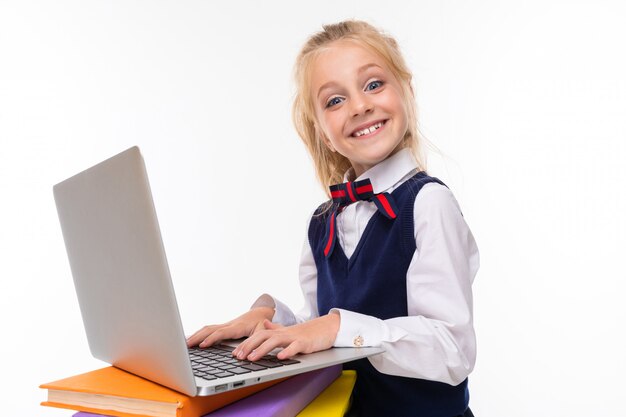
(373, 282)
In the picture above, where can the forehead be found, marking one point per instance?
(340, 62)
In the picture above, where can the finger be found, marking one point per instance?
(271, 326)
(251, 343)
(290, 351)
(227, 332)
(259, 326)
(213, 338)
(194, 336)
(200, 335)
(245, 347)
(266, 347)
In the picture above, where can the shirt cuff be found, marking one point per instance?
(356, 330)
(282, 314)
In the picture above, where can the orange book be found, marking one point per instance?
(114, 392)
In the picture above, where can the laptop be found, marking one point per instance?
(125, 291)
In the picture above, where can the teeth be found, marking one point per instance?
(368, 129)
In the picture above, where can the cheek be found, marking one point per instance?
(395, 103)
(325, 132)
(402, 113)
(333, 124)
(405, 118)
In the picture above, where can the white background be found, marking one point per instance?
(526, 102)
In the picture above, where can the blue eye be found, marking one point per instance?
(374, 85)
(333, 101)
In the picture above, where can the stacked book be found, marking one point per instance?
(113, 392)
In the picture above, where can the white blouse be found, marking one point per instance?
(436, 341)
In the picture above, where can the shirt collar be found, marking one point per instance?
(386, 175)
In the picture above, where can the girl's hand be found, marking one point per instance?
(245, 325)
(311, 336)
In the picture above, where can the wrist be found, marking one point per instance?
(334, 322)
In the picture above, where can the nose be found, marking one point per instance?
(361, 104)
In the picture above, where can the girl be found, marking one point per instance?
(389, 260)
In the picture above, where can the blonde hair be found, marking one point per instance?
(331, 166)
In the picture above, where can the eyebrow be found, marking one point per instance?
(360, 70)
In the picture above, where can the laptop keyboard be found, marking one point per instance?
(218, 362)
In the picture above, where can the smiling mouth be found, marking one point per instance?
(369, 130)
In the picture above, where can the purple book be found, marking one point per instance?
(285, 399)
(85, 414)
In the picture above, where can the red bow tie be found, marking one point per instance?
(349, 192)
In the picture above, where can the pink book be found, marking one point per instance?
(285, 399)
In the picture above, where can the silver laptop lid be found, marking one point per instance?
(123, 283)
(120, 271)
